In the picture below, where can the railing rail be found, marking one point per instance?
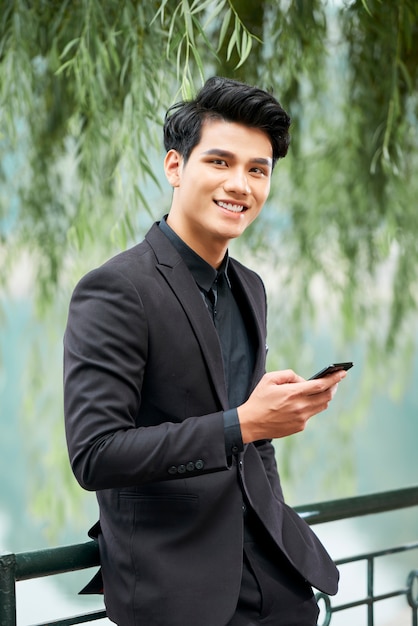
(345, 508)
(47, 562)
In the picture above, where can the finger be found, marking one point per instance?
(325, 383)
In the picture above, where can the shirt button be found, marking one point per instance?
(234, 449)
(172, 469)
(199, 464)
(240, 465)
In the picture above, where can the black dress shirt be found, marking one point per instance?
(236, 345)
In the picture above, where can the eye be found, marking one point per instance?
(259, 171)
(218, 161)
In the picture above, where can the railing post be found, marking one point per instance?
(8, 590)
(370, 591)
(412, 595)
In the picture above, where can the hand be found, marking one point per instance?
(283, 402)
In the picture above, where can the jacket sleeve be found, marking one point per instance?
(105, 357)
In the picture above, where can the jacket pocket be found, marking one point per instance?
(160, 509)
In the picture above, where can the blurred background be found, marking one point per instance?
(83, 91)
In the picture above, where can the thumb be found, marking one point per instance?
(283, 377)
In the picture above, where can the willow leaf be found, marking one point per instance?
(224, 28)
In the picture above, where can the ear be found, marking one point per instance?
(173, 164)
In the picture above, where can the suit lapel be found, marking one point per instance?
(181, 282)
(256, 307)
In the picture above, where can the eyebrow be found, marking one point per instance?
(230, 155)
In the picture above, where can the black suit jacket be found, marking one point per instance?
(144, 396)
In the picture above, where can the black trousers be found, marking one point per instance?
(272, 592)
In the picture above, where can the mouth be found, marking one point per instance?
(231, 206)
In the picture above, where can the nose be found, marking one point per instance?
(237, 182)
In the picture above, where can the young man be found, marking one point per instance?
(169, 412)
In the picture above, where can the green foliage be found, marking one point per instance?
(84, 86)
(83, 89)
(352, 91)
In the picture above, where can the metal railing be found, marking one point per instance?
(29, 565)
(371, 597)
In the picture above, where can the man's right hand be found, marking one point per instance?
(283, 402)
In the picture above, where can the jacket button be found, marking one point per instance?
(190, 467)
(199, 464)
(181, 469)
(172, 469)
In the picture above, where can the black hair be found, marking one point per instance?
(232, 101)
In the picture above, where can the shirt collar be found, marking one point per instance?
(203, 273)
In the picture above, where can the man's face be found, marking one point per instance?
(222, 187)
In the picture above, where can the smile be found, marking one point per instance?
(235, 208)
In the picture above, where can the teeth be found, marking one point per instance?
(236, 208)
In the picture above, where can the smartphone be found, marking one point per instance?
(330, 369)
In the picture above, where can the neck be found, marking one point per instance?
(213, 251)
